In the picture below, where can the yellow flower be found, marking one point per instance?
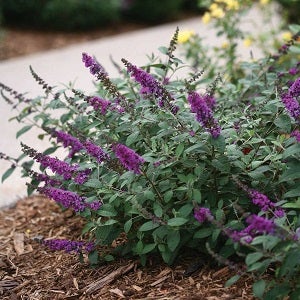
(264, 2)
(225, 45)
(213, 7)
(184, 36)
(218, 13)
(206, 18)
(232, 5)
(247, 42)
(287, 36)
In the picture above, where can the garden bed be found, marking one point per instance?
(30, 271)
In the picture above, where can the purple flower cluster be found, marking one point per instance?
(96, 151)
(57, 166)
(99, 104)
(204, 114)
(210, 101)
(46, 179)
(69, 246)
(264, 203)
(92, 64)
(88, 146)
(151, 86)
(256, 225)
(294, 89)
(82, 176)
(69, 199)
(261, 200)
(290, 101)
(202, 214)
(68, 141)
(296, 135)
(128, 158)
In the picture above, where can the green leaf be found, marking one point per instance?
(292, 150)
(253, 257)
(23, 130)
(127, 225)
(292, 173)
(218, 143)
(294, 49)
(283, 122)
(107, 210)
(93, 183)
(173, 239)
(278, 292)
(87, 227)
(148, 248)
(168, 196)
(7, 173)
(149, 195)
(179, 149)
(132, 138)
(93, 257)
(203, 233)
(185, 210)
(260, 266)
(50, 150)
(110, 222)
(197, 195)
(157, 210)
(292, 193)
(295, 205)
(232, 280)
(291, 263)
(177, 221)
(163, 49)
(108, 257)
(148, 226)
(259, 288)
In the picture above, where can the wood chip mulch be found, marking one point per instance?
(28, 270)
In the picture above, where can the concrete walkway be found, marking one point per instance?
(62, 66)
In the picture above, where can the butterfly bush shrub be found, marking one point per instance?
(167, 162)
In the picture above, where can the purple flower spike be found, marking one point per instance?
(99, 104)
(57, 166)
(69, 246)
(291, 105)
(150, 86)
(68, 141)
(293, 71)
(204, 114)
(82, 176)
(294, 89)
(259, 225)
(296, 135)
(65, 198)
(92, 64)
(96, 152)
(202, 214)
(95, 205)
(261, 200)
(128, 158)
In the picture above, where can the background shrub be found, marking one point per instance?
(153, 11)
(61, 15)
(291, 9)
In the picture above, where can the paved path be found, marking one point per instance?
(61, 66)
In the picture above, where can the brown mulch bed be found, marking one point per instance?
(16, 42)
(28, 270)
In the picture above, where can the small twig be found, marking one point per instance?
(97, 285)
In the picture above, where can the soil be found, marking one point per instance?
(29, 270)
(16, 42)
